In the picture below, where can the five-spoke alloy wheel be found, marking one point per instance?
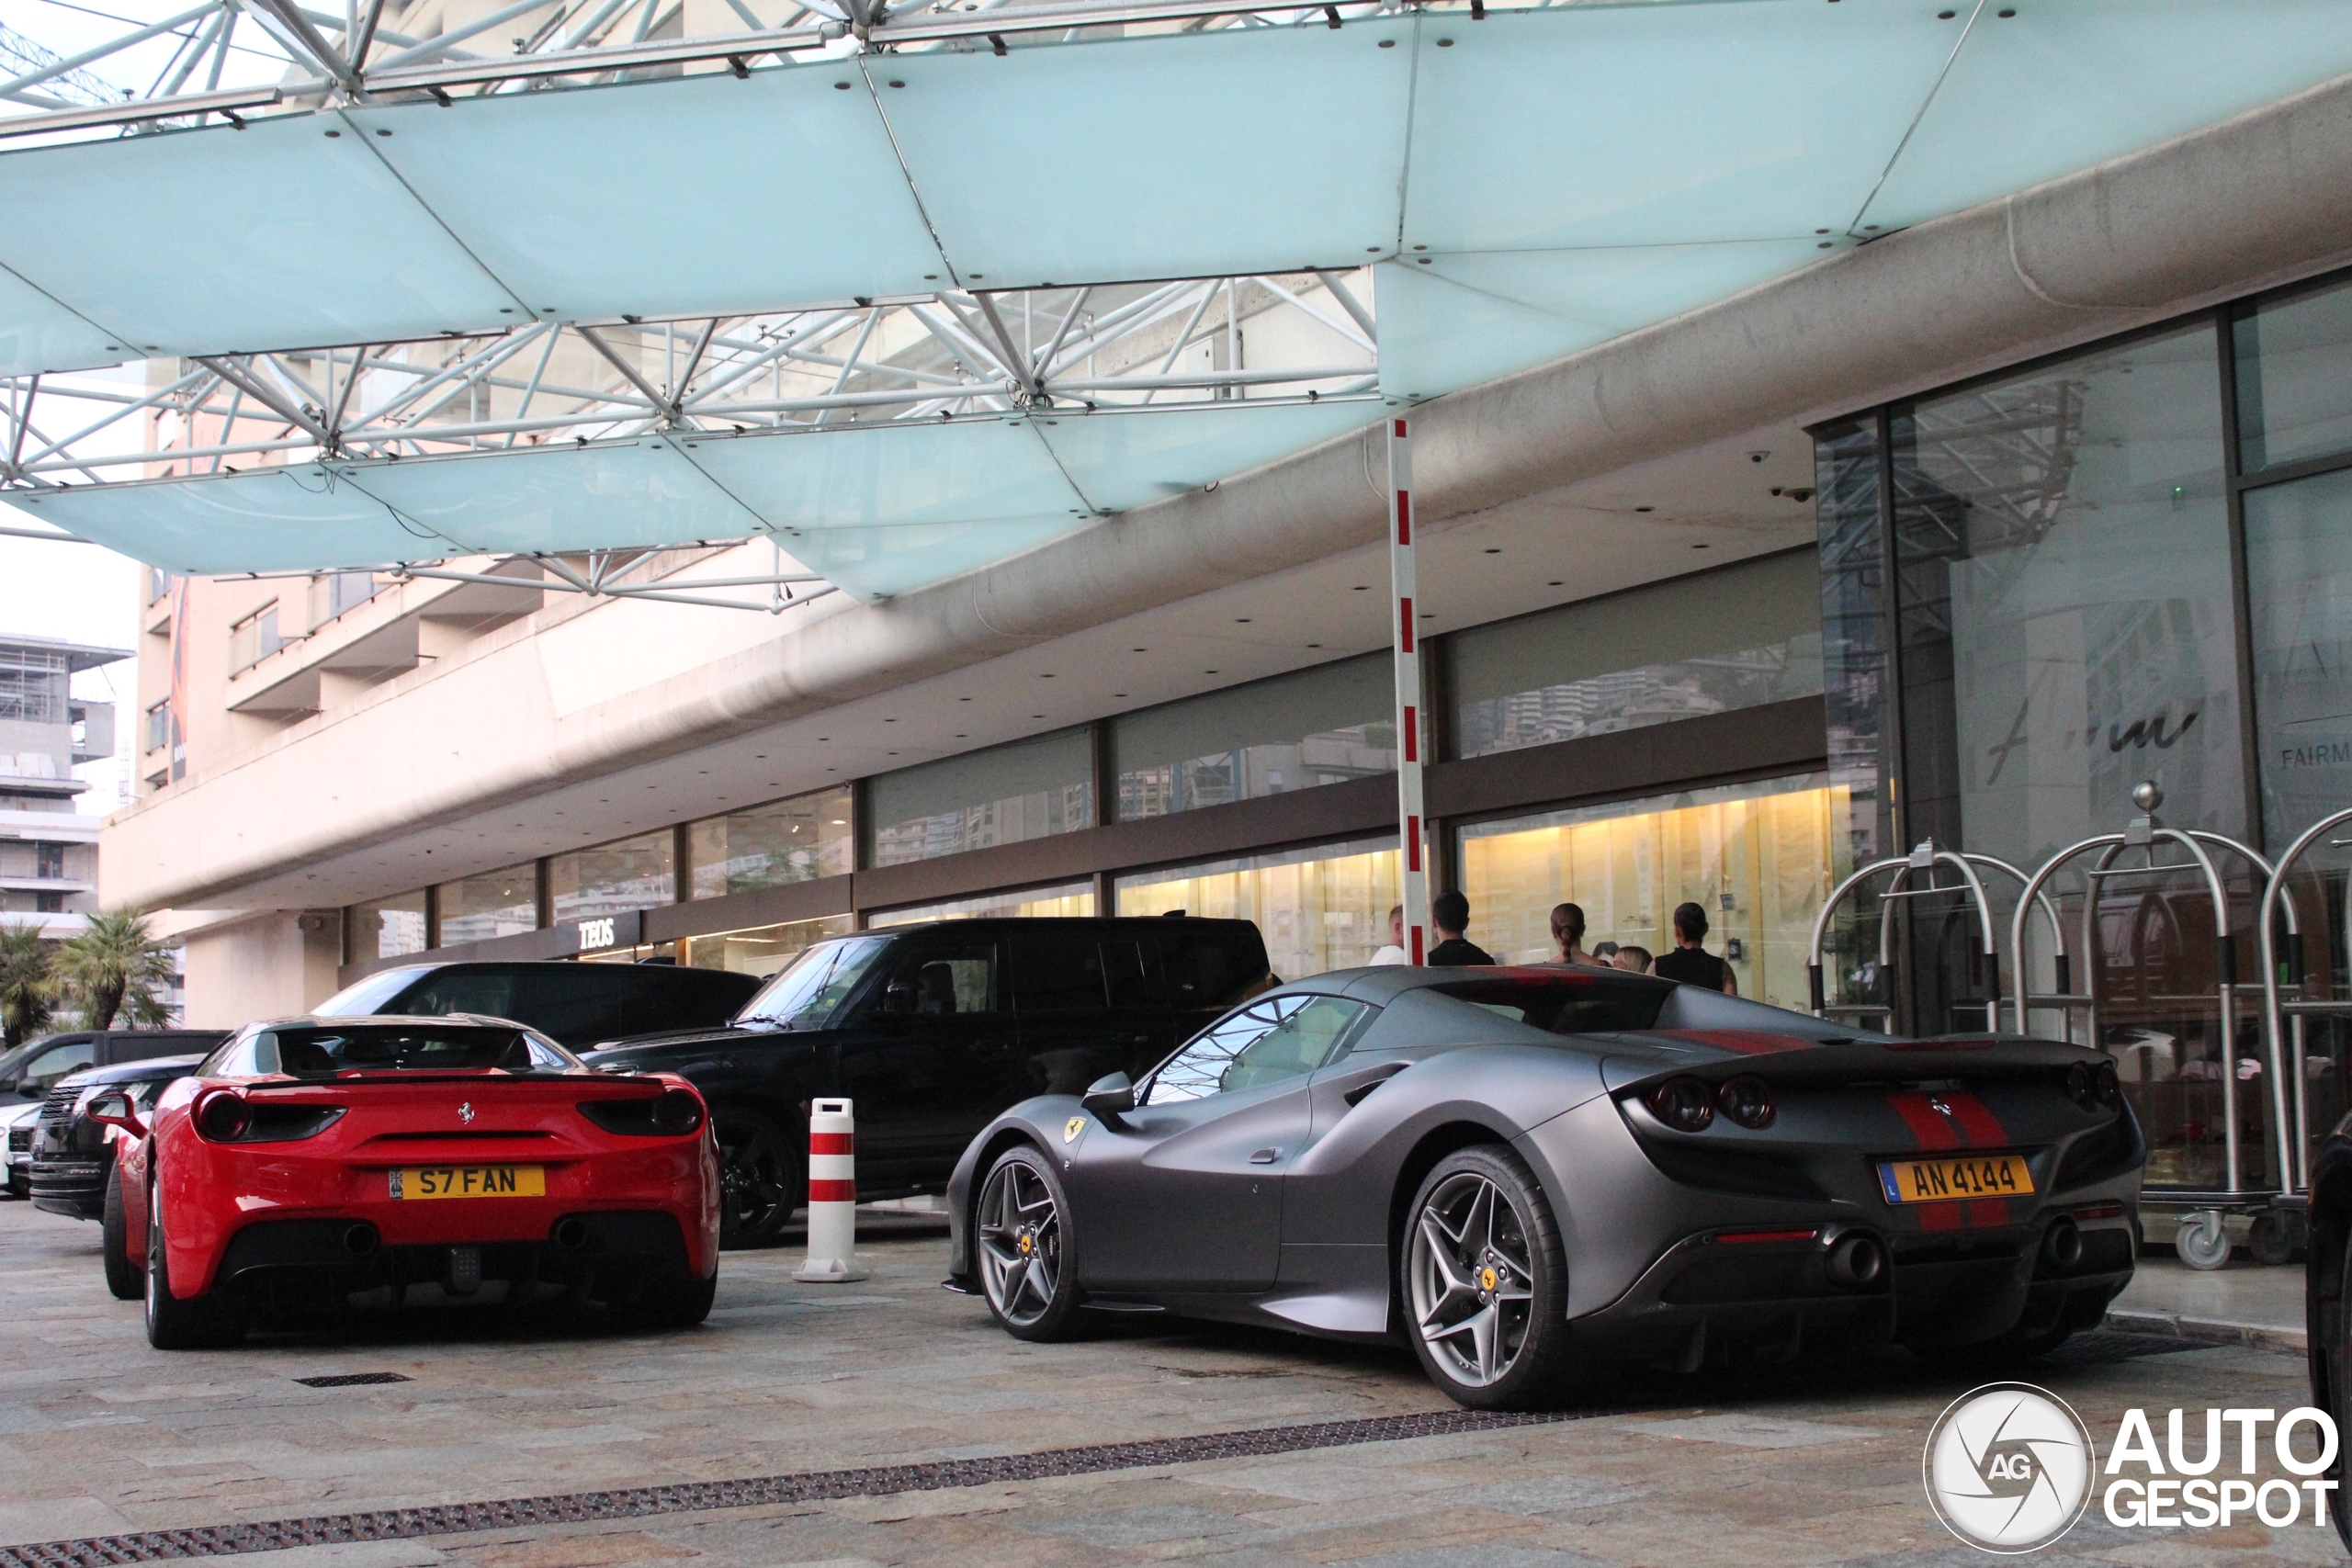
(1022, 1240)
(1486, 1283)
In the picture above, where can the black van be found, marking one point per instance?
(30, 1069)
(933, 1029)
(574, 1003)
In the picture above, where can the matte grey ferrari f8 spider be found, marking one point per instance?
(1536, 1175)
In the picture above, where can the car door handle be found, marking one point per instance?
(1265, 1156)
(1355, 1096)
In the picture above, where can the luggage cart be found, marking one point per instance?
(2202, 1241)
(1924, 857)
(2285, 1017)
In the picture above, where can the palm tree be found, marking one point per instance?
(113, 965)
(26, 986)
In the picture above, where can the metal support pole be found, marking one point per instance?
(1413, 885)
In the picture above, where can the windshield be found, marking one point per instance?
(310, 1051)
(365, 996)
(809, 992)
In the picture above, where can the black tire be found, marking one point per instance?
(2329, 1321)
(1480, 1245)
(206, 1323)
(762, 1178)
(1024, 1248)
(666, 1301)
(124, 1278)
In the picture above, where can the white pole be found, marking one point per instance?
(1414, 883)
(832, 1196)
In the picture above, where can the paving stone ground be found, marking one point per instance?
(1814, 1464)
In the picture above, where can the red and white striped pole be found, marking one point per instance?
(833, 1195)
(1413, 882)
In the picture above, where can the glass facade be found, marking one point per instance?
(1738, 637)
(1325, 908)
(761, 950)
(612, 879)
(497, 903)
(2131, 563)
(1317, 727)
(1070, 898)
(389, 927)
(786, 840)
(1002, 796)
(1759, 858)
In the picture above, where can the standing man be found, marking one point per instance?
(1394, 952)
(1450, 912)
(1689, 963)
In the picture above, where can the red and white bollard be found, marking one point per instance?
(833, 1195)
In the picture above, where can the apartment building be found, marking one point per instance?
(48, 850)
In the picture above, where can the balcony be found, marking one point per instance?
(360, 630)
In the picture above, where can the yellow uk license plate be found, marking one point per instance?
(470, 1181)
(1946, 1177)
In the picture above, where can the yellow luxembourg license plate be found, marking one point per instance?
(470, 1181)
(1946, 1178)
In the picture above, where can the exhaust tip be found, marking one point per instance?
(359, 1240)
(571, 1234)
(1856, 1261)
(2061, 1244)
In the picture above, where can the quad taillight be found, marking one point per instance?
(1689, 1104)
(2094, 1088)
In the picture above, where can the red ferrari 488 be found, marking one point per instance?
(312, 1165)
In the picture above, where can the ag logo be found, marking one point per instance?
(1072, 1128)
(2008, 1467)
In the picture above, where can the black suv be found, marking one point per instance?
(933, 1029)
(28, 1071)
(576, 1003)
(70, 1161)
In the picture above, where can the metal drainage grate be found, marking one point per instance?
(642, 1502)
(352, 1380)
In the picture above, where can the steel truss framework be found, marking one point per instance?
(951, 356)
(325, 59)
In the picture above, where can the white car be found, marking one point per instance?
(17, 1119)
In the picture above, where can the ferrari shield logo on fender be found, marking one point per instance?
(1072, 1128)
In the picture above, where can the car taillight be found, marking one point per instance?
(671, 1113)
(1685, 1104)
(223, 1117)
(228, 1118)
(1749, 1101)
(678, 1111)
(2094, 1088)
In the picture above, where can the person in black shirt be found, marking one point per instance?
(1450, 912)
(1689, 963)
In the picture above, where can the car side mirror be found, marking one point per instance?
(113, 1109)
(27, 1087)
(1110, 1099)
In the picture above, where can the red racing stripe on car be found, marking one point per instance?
(823, 1191)
(1987, 1212)
(1746, 1042)
(1978, 1125)
(833, 1143)
(1927, 1124)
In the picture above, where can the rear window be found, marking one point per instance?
(1211, 966)
(315, 1051)
(1572, 1004)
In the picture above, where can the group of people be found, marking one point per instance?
(1688, 961)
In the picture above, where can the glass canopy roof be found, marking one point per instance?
(1525, 184)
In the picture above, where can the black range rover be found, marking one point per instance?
(933, 1029)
